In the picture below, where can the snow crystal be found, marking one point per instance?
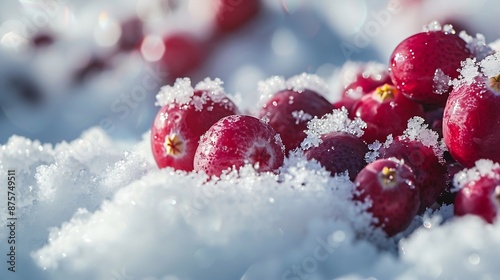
(337, 121)
(298, 83)
(477, 46)
(495, 45)
(301, 116)
(213, 88)
(417, 131)
(305, 81)
(483, 167)
(468, 72)
(490, 65)
(181, 93)
(436, 26)
(374, 147)
(269, 87)
(441, 82)
(375, 70)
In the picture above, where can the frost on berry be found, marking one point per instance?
(304, 81)
(477, 45)
(337, 121)
(297, 83)
(436, 26)
(468, 71)
(374, 148)
(482, 168)
(269, 87)
(301, 116)
(441, 82)
(489, 66)
(182, 93)
(417, 131)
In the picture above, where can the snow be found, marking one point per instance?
(417, 131)
(482, 168)
(91, 203)
(489, 66)
(156, 224)
(298, 83)
(477, 45)
(441, 82)
(468, 72)
(181, 92)
(337, 121)
(374, 147)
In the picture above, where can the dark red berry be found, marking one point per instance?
(288, 112)
(339, 152)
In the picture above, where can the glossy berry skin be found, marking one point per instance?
(233, 14)
(236, 140)
(448, 195)
(390, 185)
(430, 173)
(480, 198)
(289, 111)
(338, 152)
(385, 112)
(177, 130)
(471, 122)
(434, 118)
(364, 83)
(414, 62)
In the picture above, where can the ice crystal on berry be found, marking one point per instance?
(269, 87)
(476, 45)
(441, 82)
(490, 65)
(297, 83)
(374, 148)
(181, 93)
(468, 72)
(418, 131)
(301, 116)
(337, 121)
(305, 81)
(482, 168)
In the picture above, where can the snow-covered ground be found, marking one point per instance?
(91, 203)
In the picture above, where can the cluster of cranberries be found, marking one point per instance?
(204, 131)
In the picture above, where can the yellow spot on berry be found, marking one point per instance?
(385, 92)
(174, 145)
(495, 83)
(497, 194)
(388, 176)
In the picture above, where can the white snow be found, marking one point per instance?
(477, 45)
(337, 121)
(482, 168)
(163, 224)
(441, 82)
(417, 130)
(96, 206)
(298, 83)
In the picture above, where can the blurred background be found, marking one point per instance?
(66, 66)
